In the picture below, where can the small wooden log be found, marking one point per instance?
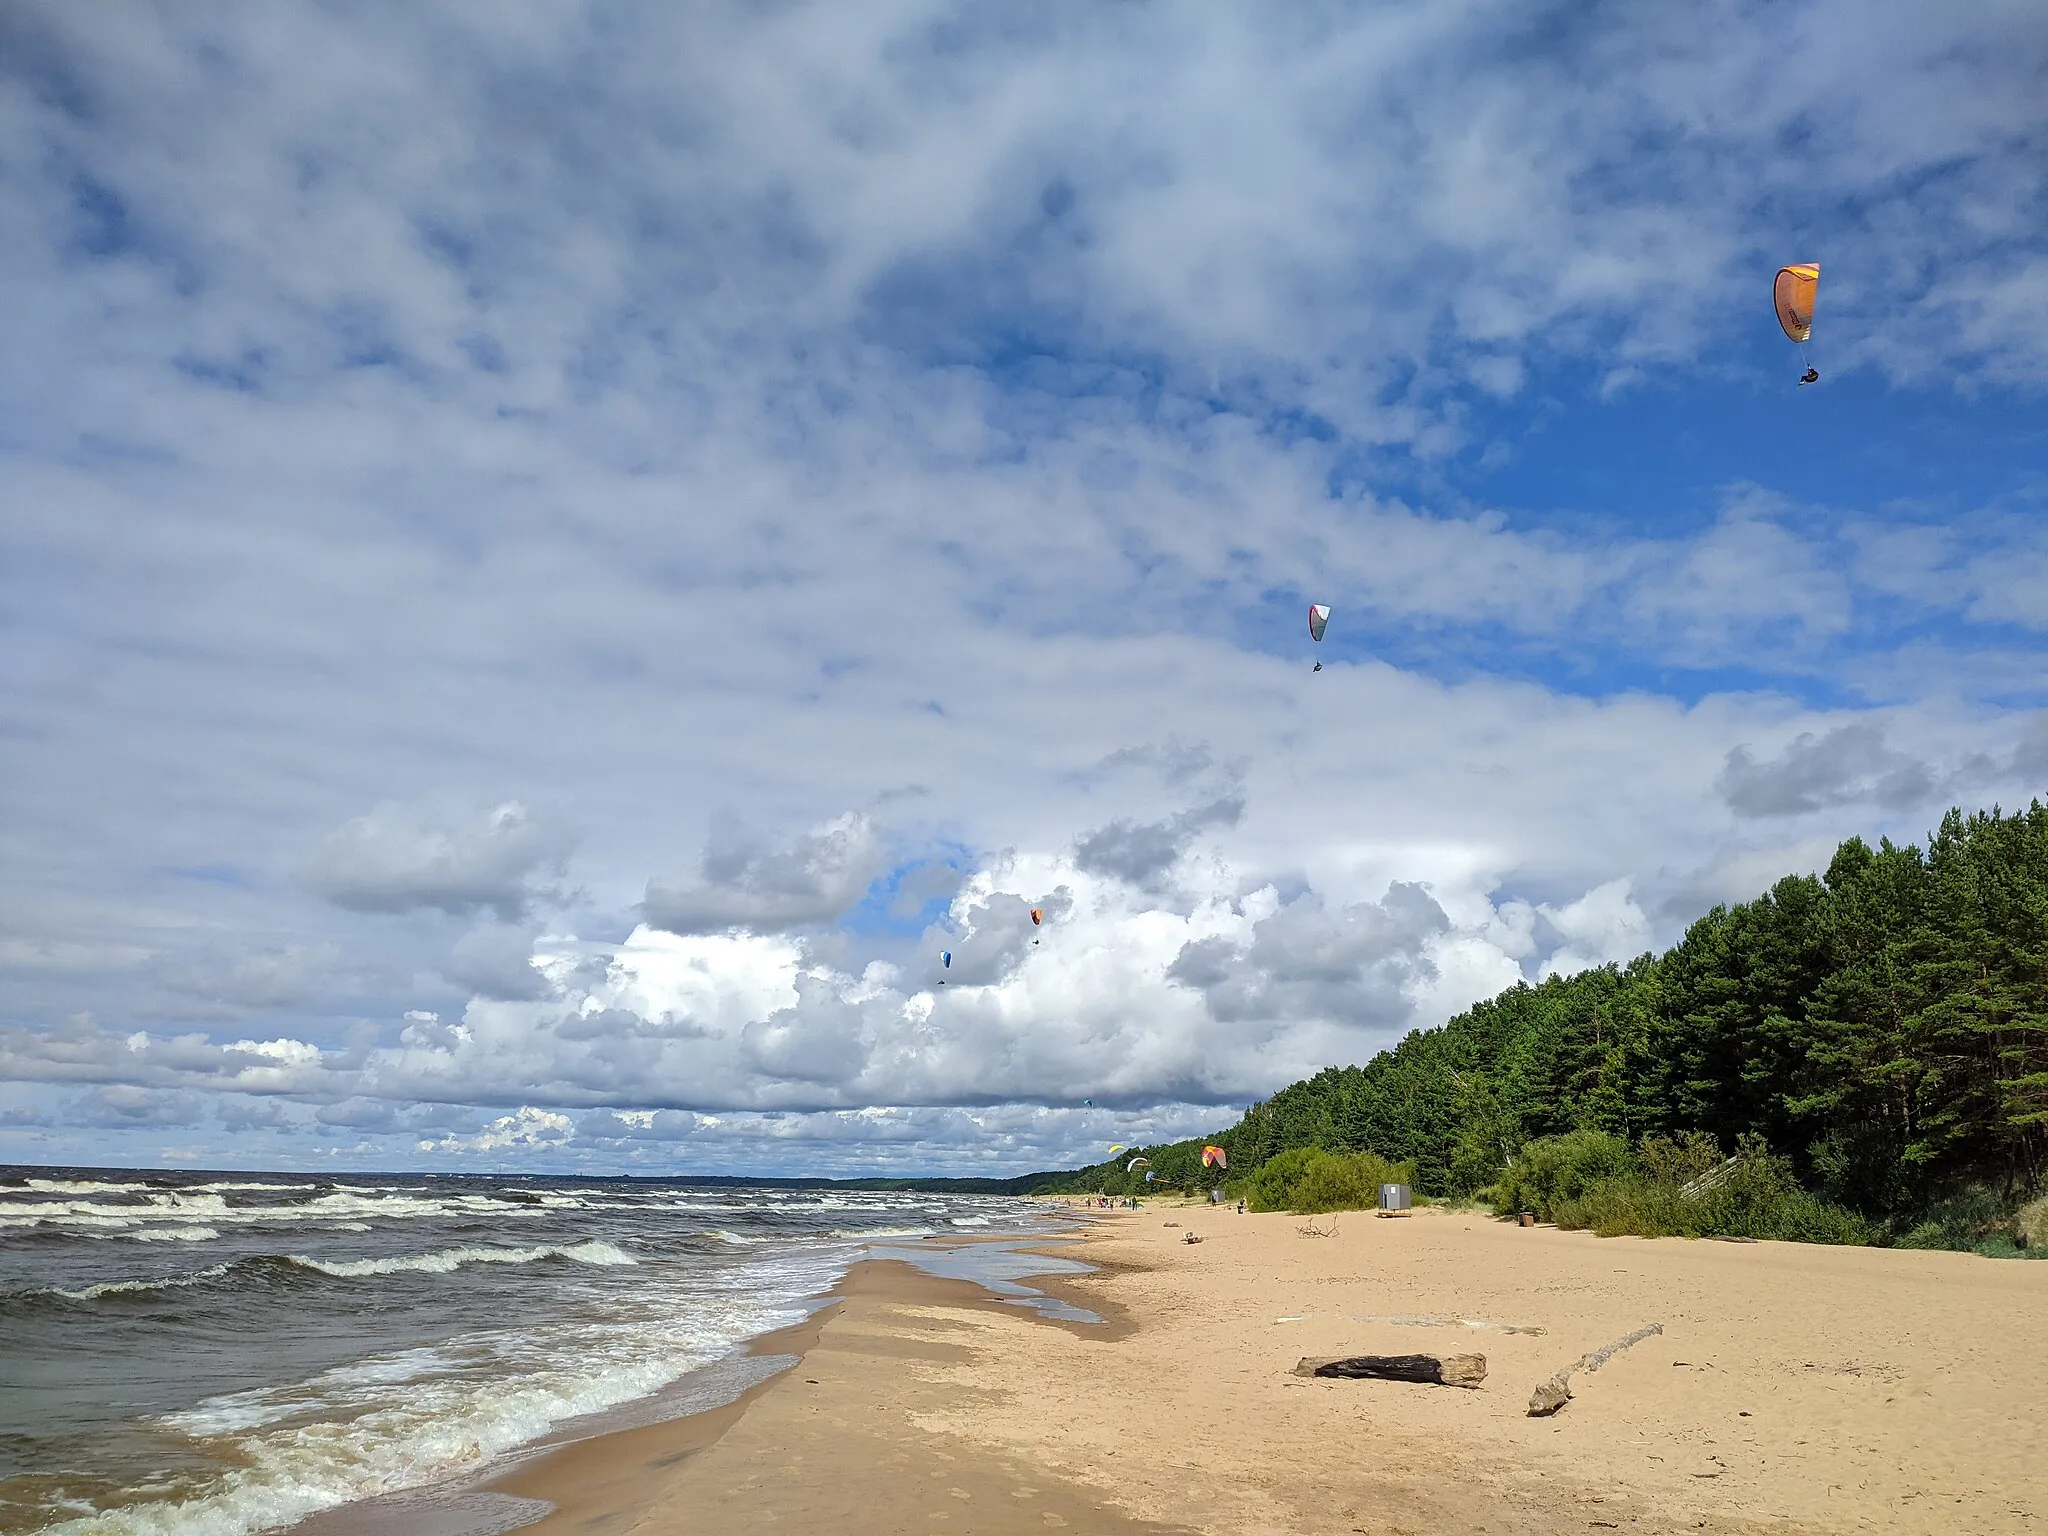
(1555, 1391)
(1436, 1370)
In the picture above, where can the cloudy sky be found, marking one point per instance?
(553, 557)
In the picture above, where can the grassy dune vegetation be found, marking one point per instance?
(1860, 1056)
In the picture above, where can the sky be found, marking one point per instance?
(554, 557)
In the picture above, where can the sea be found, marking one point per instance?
(187, 1354)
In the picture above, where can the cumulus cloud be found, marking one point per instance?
(397, 860)
(524, 1131)
(496, 960)
(1143, 852)
(122, 1104)
(228, 982)
(1357, 965)
(1603, 926)
(1847, 764)
(749, 881)
(1012, 383)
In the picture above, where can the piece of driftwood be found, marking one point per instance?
(1190, 1238)
(1316, 1229)
(1554, 1392)
(1437, 1370)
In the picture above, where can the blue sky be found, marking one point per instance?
(555, 556)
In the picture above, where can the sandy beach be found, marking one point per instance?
(1794, 1388)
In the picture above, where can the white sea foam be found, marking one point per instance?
(209, 1207)
(173, 1235)
(406, 1418)
(130, 1287)
(451, 1259)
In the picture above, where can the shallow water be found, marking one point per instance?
(200, 1355)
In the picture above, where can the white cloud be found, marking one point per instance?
(943, 413)
(395, 860)
(523, 1131)
(747, 883)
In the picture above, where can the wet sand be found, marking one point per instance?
(1794, 1389)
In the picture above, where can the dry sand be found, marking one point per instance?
(1794, 1389)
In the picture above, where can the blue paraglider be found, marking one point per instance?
(945, 959)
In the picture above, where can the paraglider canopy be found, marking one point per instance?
(1318, 619)
(1037, 916)
(1116, 1149)
(946, 958)
(1136, 1163)
(1793, 293)
(1215, 1157)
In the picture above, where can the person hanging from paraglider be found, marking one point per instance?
(1318, 620)
(1037, 918)
(1792, 295)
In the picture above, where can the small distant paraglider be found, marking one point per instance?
(1116, 1148)
(1215, 1157)
(1037, 918)
(1793, 295)
(946, 961)
(1136, 1163)
(1318, 620)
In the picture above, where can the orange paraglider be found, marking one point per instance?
(1793, 295)
(1037, 917)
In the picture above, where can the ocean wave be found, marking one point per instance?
(436, 1430)
(864, 1232)
(212, 1208)
(133, 1287)
(415, 1417)
(81, 1187)
(173, 1235)
(450, 1259)
(967, 1221)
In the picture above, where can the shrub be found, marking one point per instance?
(1981, 1222)
(1310, 1180)
(1557, 1168)
(1757, 1197)
(2031, 1223)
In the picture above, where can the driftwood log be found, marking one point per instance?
(1437, 1370)
(1554, 1392)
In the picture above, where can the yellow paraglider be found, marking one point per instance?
(1793, 295)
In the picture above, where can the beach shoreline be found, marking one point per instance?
(1794, 1389)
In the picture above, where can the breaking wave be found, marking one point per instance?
(450, 1259)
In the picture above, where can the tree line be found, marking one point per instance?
(1881, 1027)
